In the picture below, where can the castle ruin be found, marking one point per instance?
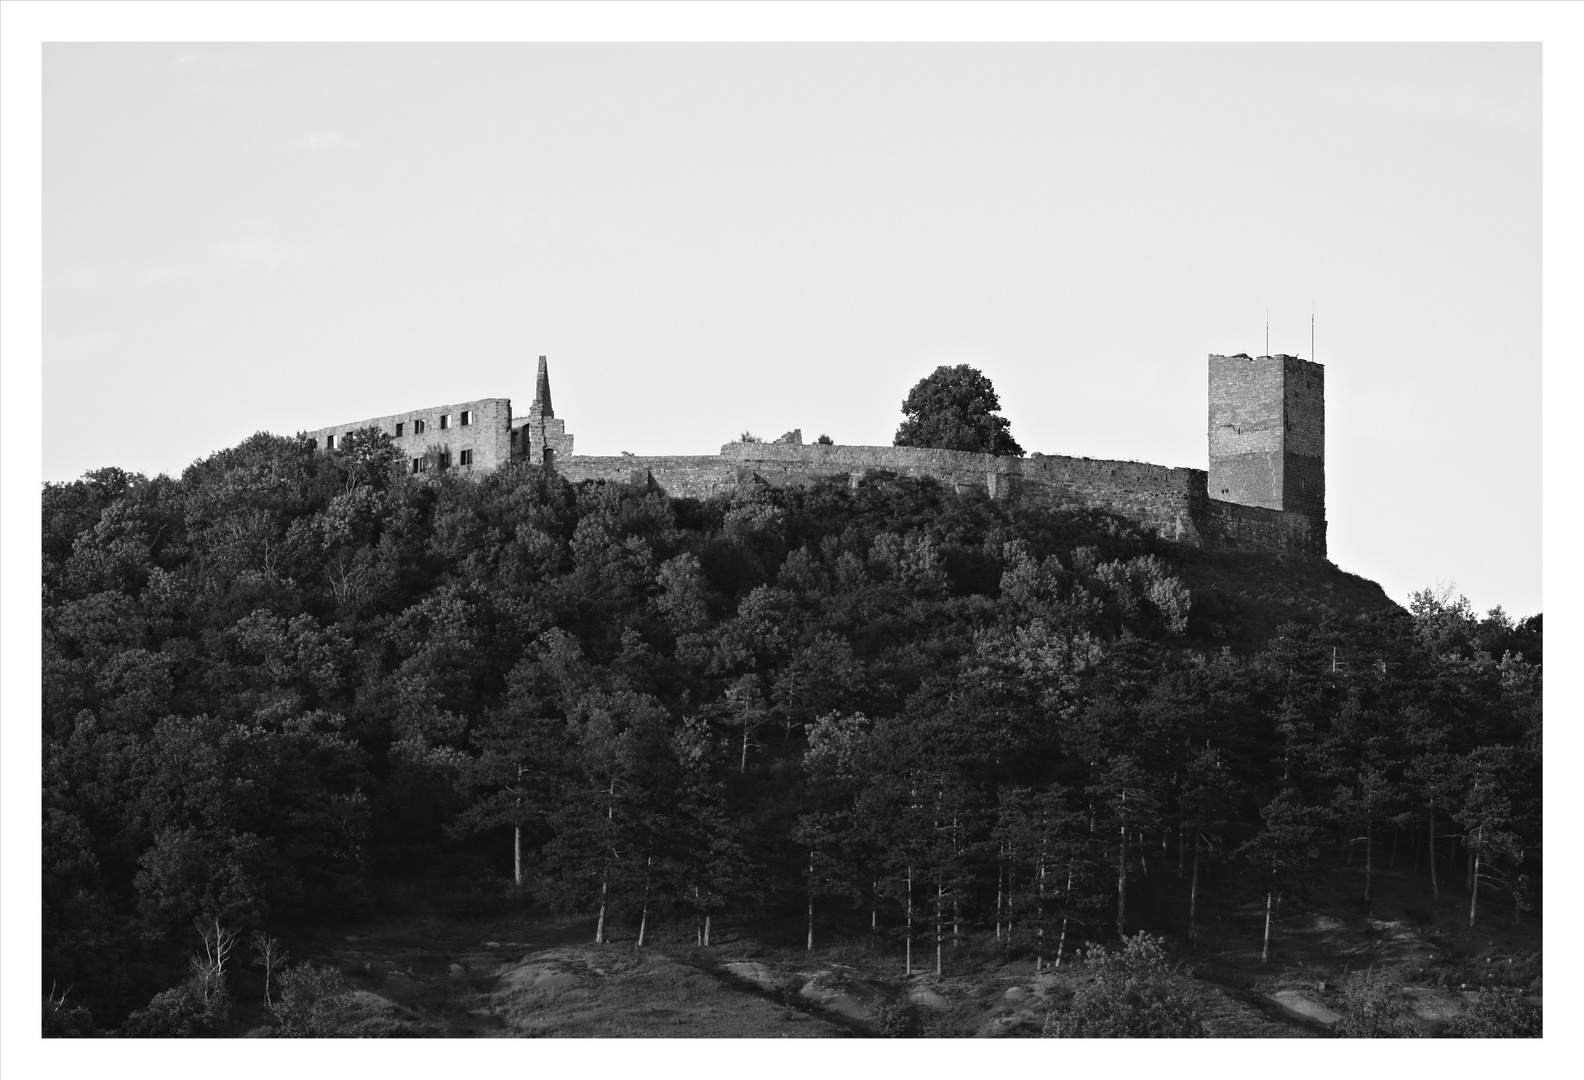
(1264, 490)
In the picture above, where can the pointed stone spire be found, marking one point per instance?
(541, 400)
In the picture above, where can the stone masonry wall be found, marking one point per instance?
(1233, 527)
(1173, 503)
(682, 477)
(1303, 467)
(1246, 436)
(487, 434)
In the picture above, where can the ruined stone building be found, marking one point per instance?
(1264, 490)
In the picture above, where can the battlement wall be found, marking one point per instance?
(682, 477)
(1171, 502)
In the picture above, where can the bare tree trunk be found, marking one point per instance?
(1474, 880)
(1061, 942)
(1122, 885)
(1011, 918)
(643, 919)
(706, 930)
(517, 838)
(956, 894)
(874, 914)
(908, 962)
(1435, 885)
(1369, 861)
(1468, 867)
(1265, 952)
(1193, 893)
(1000, 886)
(1039, 923)
(811, 901)
(940, 904)
(610, 815)
(1179, 853)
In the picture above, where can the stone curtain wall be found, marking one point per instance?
(679, 477)
(1230, 527)
(488, 435)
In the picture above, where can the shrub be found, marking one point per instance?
(65, 1021)
(1499, 1014)
(194, 1009)
(898, 1019)
(311, 1001)
(1134, 995)
(1372, 1007)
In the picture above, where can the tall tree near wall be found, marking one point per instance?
(1282, 854)
(1206, 804)
(954, 408)
(1130, 800)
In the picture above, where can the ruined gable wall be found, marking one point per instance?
(488, 435)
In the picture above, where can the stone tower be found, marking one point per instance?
(1267, 433)
(545, 436)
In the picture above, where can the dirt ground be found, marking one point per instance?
(528, 975)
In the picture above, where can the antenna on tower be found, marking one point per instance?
(1311, 331)
(1267, 331)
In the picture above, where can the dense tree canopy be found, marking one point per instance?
(954, 408)
(290, 677)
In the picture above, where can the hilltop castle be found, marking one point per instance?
(1264, 491)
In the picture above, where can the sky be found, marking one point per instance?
(711, 239)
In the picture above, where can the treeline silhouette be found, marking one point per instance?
(289, 678)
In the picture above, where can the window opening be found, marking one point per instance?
(466, 418)
(329, 442)
(418, 427)
(445, 421)
(466, 458)
(399, 429)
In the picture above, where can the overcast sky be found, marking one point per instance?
(708, 239)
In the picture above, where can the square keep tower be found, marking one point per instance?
(1267, 432)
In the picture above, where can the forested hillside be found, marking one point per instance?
(288, 678)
